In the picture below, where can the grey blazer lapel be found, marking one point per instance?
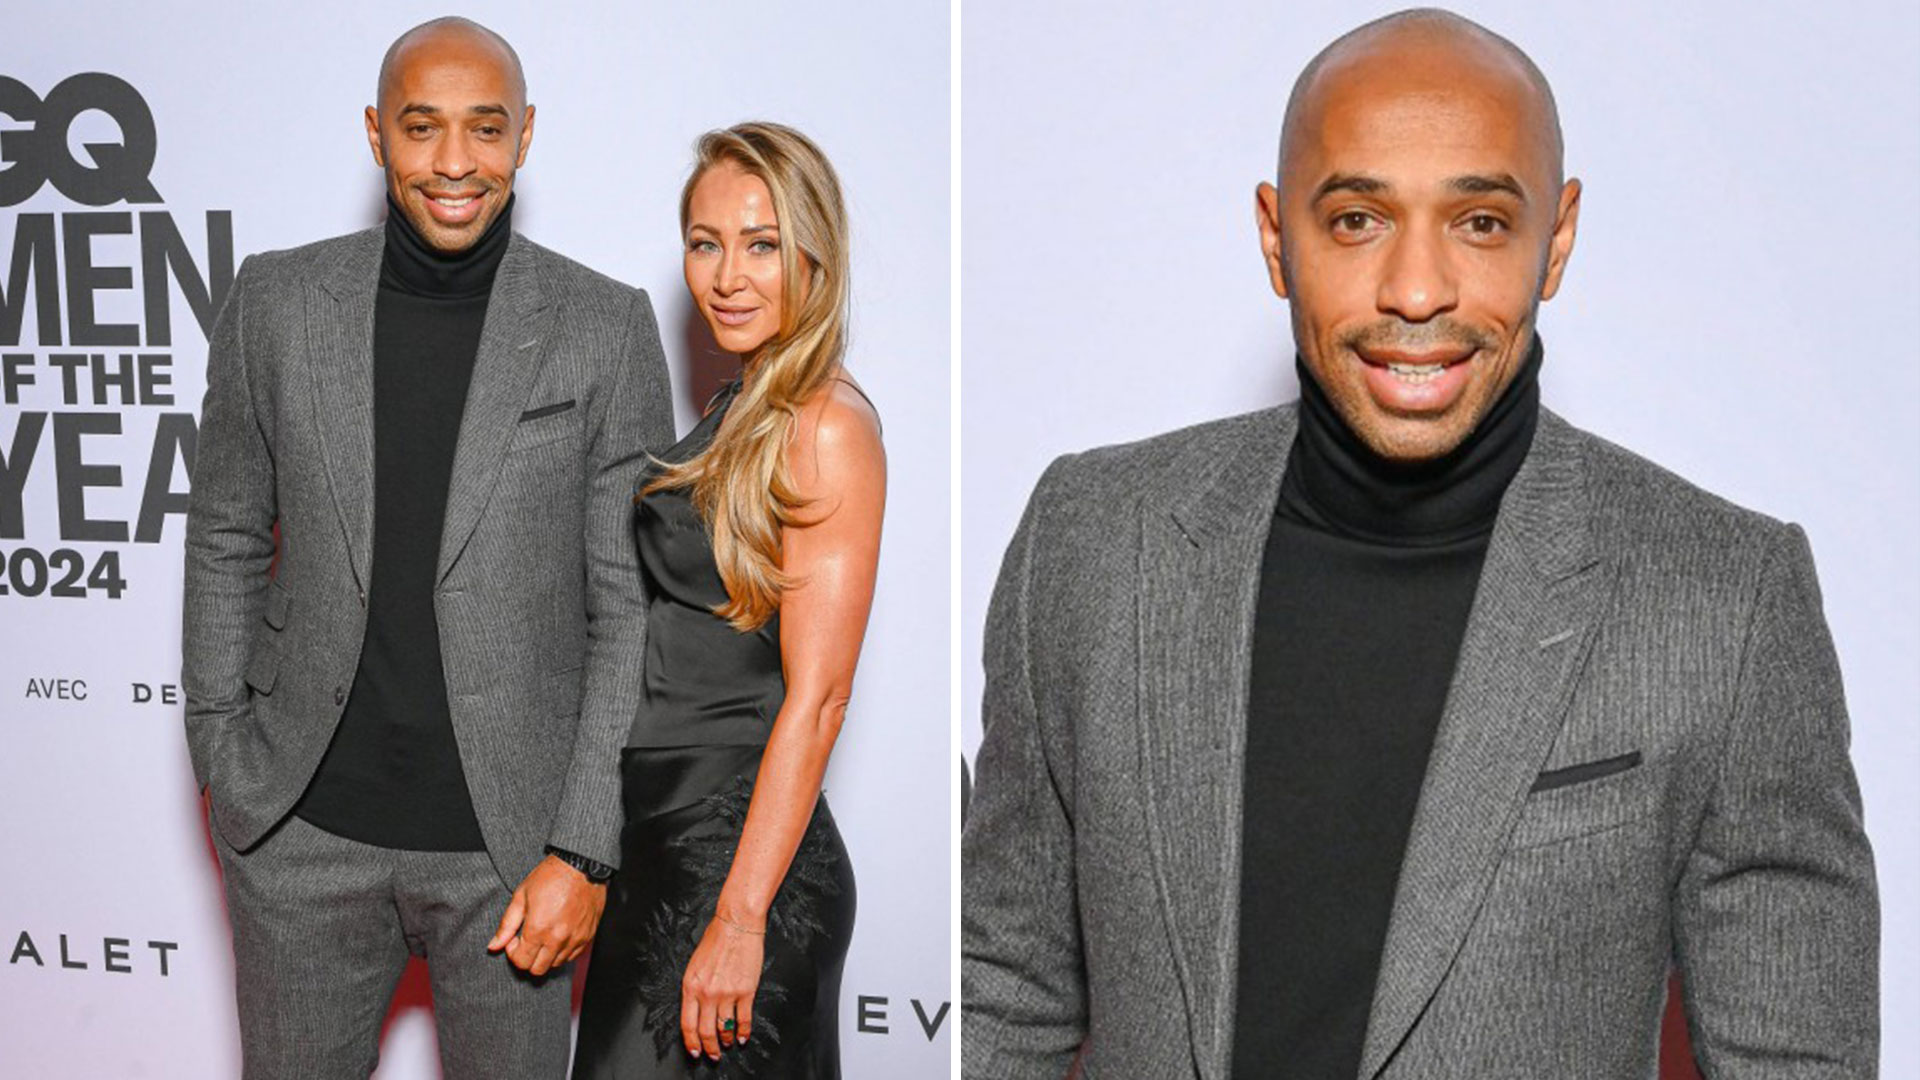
(340, 307)
(1542, 592)
(503, 375)
(1199, 581)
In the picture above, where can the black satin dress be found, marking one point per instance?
(710, 699)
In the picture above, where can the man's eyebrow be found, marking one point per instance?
(1359, 185)
(1488, 185)
(425, 109)
(1471, 184)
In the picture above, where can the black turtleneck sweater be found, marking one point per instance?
(1365, 588)
(392, 775)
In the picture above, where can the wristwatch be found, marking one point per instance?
(597, 872)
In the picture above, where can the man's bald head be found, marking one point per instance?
(449, 31)
(1421, 216)
(450, 128)
(1423, 45)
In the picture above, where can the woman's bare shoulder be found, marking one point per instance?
(836, 437)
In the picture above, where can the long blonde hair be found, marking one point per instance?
(740, 484)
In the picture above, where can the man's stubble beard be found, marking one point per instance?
(1355, 404)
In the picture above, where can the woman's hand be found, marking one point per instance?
(719, 983)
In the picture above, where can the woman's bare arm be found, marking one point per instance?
(837, 464)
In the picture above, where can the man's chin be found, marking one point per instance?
(448, 239)
(1412, 440)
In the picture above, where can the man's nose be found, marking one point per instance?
(453, 158)
(1417, 282)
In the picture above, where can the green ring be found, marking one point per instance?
(728, 1024)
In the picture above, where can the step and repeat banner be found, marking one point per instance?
(145, 150)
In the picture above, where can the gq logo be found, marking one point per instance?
(37, 154)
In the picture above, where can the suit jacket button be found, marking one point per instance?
(339, 695)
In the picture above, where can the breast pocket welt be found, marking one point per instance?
(1585, 797)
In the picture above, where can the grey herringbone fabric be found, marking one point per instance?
(539, 600)
(322, 928)
(1620, 611)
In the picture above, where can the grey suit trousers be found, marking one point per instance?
(322, 929)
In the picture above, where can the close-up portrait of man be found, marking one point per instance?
(1407, 727)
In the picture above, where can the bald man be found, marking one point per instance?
(1405, 731)
(408, 724)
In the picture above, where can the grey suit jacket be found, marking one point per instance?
(1620, 611)
(539, 599)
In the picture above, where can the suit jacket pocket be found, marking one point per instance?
(1584, 798)
(563, 691)
(546, 411)
(279, 604)
(550, 423)
(263, 667)
(1585, 772)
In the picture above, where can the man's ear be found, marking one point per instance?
(1566, 222)
(1266, 214)
(526, 138)
(373, 137)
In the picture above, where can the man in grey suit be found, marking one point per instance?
(1406, 731)
(407, 712)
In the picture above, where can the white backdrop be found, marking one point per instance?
(257, 114)
(1740, 306)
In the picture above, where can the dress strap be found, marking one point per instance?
(732, 386)
(863, 394)
(727, 389)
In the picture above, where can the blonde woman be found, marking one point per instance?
(725, 932)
